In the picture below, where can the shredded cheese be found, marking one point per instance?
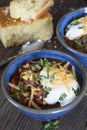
(61, 78)
(13, 86)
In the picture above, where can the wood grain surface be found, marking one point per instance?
(11, 118)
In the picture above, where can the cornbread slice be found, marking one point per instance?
(29, 9)
(16, 32)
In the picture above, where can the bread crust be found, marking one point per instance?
(14, 32)
(29, 9)
(44, 8)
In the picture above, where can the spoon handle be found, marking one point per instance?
(27, 47)
(3, 62)
(7, 60)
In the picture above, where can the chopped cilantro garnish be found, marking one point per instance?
(76, 41)
(47, 63)
(80, 27)
(47, 72)
(74, 76)
(52, 125)
(15, 96)
(38, 67)
(52, 77)
(38, 77)
(75, 22)
(22, 90)
(41, 62)
(33, 68)
(76, 91)
(48, 89)
(62, 97)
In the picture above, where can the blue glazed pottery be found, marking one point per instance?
(63, 22)
(52, 113)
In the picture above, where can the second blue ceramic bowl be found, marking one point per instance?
(51, 113)
(63, 22)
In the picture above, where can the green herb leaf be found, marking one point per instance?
(62, 97)
(75, 22)
(38, 67)
(76, 41)
(76, 91)
(74, 76)
(47, 72)
(48, 89)
(53, 125)
(41, 62)
(38, 77)
(52, 77)
(15, 96)
(47, 63)
(80, 27)
(47, 126)
(22, 88)
(33, 68)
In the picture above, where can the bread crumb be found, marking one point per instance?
(6, 11)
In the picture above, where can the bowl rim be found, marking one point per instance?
(47, 111)
(63, 43)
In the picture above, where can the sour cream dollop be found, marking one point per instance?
(77, 28)
(62, 85)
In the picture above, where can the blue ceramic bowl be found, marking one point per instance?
(48, 114)
(63, 22)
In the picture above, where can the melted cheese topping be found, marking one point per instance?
(62, 82)
(77, 30)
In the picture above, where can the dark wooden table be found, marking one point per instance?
(12, 119)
